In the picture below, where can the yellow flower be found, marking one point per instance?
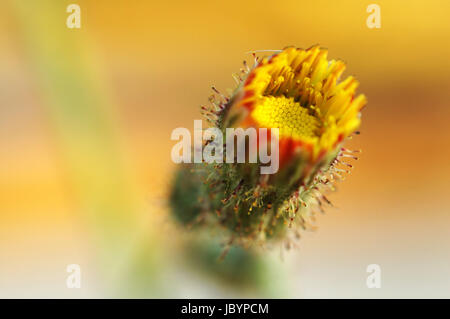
(299, 92)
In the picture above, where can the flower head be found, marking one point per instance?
(297, 91)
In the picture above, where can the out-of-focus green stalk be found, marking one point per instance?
(86, 128)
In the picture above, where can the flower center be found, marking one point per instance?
(292, 119)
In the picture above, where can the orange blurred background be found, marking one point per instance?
(85, 122)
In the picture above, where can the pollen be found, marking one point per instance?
(292, 119)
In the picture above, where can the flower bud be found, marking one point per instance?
(296, 98)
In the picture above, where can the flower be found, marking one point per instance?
(297, 91)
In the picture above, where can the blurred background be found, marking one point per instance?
(85, 122)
